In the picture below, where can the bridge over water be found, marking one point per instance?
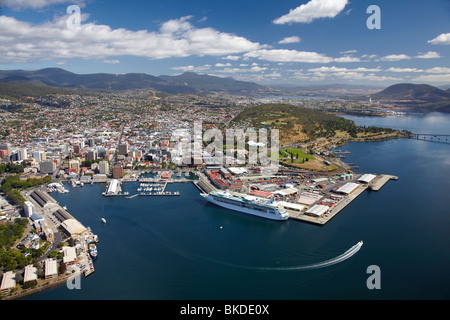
(439, 138)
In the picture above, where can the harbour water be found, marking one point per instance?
(184, 248)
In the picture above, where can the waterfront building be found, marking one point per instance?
(117, 172)
(69, 256)
(51, 269)
(73, 228)
(367, 178)
(8, 282)
(348, 188)
(317, 210)
(30, 274)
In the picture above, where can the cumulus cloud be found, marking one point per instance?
(293, 39)
(23, 41)
(395, 57)
(312, 10)
(283, 55)
(443, 38)
(428, 55)
(392, 69)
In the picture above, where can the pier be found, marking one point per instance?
(380, 182)
(375, 185)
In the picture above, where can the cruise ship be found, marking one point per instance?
(247, 204)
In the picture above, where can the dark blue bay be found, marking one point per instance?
(173, 247)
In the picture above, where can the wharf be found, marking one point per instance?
(332, 213)
(380, 182)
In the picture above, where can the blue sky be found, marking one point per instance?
(298, 42)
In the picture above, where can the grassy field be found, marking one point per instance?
(298, 154)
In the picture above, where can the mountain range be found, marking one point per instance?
(186, 83)
(56, 80)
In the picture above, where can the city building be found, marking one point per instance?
(28, 208)
(8, 282)
(123, 148)
(103, 167)
(51, 269)
(30, 274)
(117, 172)
(47, 166)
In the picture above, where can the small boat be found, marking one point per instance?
(103, 220)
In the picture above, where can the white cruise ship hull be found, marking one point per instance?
(259, 213)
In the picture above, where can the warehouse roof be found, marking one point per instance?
(318, 210)
(348, 188)
(73, 227)
(366, 178)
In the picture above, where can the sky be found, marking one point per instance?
(293, 42)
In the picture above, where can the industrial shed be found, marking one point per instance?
(73, 227)
(367, 178)
(317, 210)
(348, 188)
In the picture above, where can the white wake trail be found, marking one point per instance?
(346, 255)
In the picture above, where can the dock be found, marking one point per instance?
(380, 182)
(332, 213)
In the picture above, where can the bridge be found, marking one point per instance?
(440, 138)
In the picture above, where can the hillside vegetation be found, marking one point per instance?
(298, 124)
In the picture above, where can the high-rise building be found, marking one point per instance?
(117, 172)
(22, 154)
(47, 166)
(123, 148)
(103, 167)
(6, 147)
(28, 208)
(74, 164)
(92, 155)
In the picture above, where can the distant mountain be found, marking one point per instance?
(416, 97)
(207, 83)
(186, 83)
(11, 90)
(412, 92)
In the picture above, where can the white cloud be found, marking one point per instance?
(347, 59)
(392, 69)
(438, 70)
(22, 41)
(293, 39)
(191, 68)
(222, 65)
(337, 69)
(428, 55)
(230, 57)
(395, 57)
(312, 10)
(438, 78)
(443, 38)
(283, 55)
(111, 61)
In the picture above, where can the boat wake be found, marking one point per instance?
(346, 255)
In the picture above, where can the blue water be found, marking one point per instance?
(174, 247)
